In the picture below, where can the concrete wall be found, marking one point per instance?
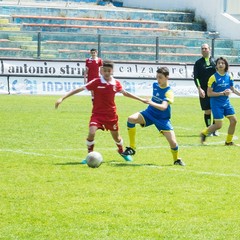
(233, 6)
(212, 11)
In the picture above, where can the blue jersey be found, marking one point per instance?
(152, 115)
(221, 105)
(219, 83)
(160, 95)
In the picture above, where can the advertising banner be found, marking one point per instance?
(41, 68)
(144, 88)
(60, 86)
(3, 85)
(76, 69)
(43, 85)
(59, 77)
(148, 70)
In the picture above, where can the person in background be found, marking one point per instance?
(104, 112)
(220, 86)
(92, 67)
(203, 69)
(157, 113)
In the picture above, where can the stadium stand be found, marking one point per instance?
(119, 33)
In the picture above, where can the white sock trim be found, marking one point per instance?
(120, 143)
(89, 143)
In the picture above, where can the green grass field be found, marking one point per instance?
(46, 194)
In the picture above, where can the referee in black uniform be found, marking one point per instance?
(203, 69)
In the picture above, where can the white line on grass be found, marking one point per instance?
(184, 169)
(103, 148)
(38, 154)
(205, 173)
(107, 148)
(140, 165)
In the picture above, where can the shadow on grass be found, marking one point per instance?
(116, 164)
(131, 164)
(69, 163)
(188, 136)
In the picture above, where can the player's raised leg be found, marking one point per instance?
(134, 119)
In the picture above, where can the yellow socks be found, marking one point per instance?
(175, 153)
(132, 134)
(229, 138)
(205, 132)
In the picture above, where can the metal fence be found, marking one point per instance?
(52, 45)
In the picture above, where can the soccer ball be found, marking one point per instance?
(94, 159)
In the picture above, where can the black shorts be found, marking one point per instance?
(205, 102)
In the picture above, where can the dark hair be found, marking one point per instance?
(225, 61)
(93, 50)
(164, 71)
(108, 63)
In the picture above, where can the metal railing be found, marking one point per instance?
(49, 45)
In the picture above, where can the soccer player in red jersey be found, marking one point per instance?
(104, 112)
(92, 67)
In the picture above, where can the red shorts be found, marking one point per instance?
(103, 122)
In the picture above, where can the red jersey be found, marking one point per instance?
(93, 66)
(104, 96)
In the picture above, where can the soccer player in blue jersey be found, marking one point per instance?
(220, 86)
(157, 113)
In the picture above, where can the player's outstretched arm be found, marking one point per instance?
(160, 106)
(58, 102)
(130, 95)
(75, 91)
